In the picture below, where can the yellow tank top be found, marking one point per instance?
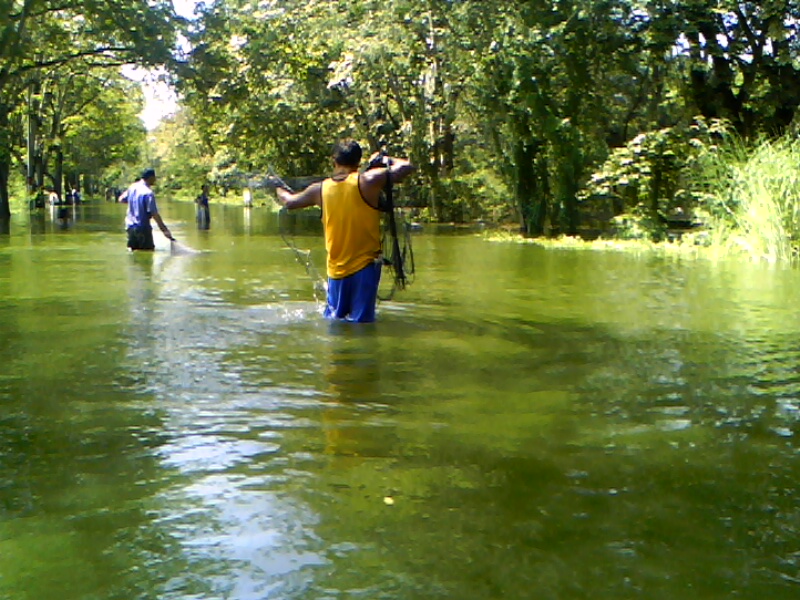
(352, 227)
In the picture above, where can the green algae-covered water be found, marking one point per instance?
(520, 423)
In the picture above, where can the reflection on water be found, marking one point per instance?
(524, 423)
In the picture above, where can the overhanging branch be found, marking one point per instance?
(96, 52)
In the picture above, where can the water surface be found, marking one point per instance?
(520, 423)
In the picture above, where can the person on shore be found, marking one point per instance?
(351, 219)
(203, 213)
(141, 208)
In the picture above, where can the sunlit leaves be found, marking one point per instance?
(50, 46)
(103, 131)
(177, 153)
(535, 91)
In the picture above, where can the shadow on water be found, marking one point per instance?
(549, 468)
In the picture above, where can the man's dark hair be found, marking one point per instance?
(148, 173)
(347, 153)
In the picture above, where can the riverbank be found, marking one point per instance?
(703, 244)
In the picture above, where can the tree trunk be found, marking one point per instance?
(58, 172)
(5, 164)
(570, 219)
(531, 199)
(5, 205)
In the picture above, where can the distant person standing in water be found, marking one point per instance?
(351, 220)
(141, 208)
(203, 214)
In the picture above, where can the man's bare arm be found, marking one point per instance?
(374, 180)
(164, 229)
(400, 168)
(311, 196)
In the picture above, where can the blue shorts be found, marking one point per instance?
(353, 298)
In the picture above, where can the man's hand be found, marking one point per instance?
(282, 195)
(277, 183)
(377, 160)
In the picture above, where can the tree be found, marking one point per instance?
(739, 59)
(541, 92)
(536, 93)
(39, 35)
(178, 153)
(102, 135)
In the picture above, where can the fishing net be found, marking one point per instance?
(396, 246)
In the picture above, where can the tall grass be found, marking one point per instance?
(751, 195)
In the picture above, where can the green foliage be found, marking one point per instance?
(105, 137)
(550, 86)
(49, 54)
(752, 198)
(376, 72)
(178, 156)
(738, 60)
(257, 90)
(653, 177)
(507, 109)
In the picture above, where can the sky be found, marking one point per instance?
(160, 98)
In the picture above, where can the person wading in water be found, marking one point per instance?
(351, 219)
(203, 213)
(141, 208)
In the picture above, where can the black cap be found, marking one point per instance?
(148, 173)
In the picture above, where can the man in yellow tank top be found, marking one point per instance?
(349, 202)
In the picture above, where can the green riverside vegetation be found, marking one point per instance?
(622, 119)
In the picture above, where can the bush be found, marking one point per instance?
(654, 176)
(751, 197)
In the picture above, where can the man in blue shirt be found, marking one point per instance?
(141, 208)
